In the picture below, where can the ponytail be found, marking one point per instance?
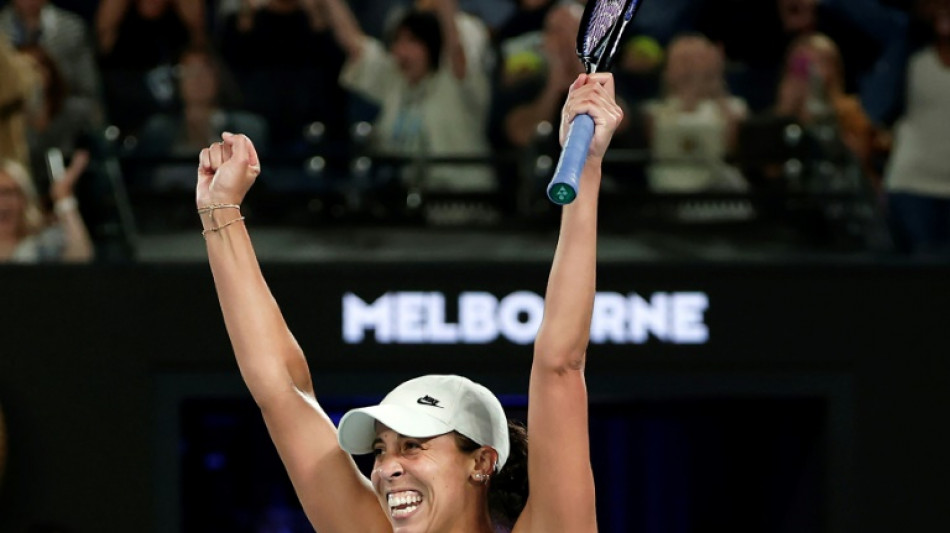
(508, 489)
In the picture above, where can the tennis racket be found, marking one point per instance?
(602, 25)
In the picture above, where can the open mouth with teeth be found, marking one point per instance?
(404, 503)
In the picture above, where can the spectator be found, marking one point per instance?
(202, 119)
(756, 50)
(471, 32)
(138, 42)
(639, 68)
(812, 91)
(25, 235)
(433, 94)
(287, 64)
(17, 87)
(532, 88)
(534, 81)
(855, 43)
(693, 128)
(146, 33)
(57, 120)
(527, 20)
(63, 35)
(917, 176)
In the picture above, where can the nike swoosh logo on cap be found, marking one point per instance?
(430, 401)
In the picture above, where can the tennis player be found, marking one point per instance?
(442, 444)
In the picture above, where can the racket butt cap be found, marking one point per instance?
(561, 193)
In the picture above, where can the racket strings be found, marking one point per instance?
(603, 17)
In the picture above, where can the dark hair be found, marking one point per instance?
(508, 489)
(229, 94)
(424, 26)
(57, 91)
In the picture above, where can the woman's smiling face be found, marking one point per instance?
(421, 483)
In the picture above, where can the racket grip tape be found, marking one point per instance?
(563, 188)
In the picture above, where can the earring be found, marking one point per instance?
(481, 478)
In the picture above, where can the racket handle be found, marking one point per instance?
(564, 186)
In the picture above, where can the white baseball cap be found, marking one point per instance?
(429, 406)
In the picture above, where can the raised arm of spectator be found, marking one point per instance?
(521, 123)
(559, 470)
(193, 15)
(882, 87)
(561, 25)
(446, 11)
(315, 15)
(335, 496)
(110, 13)
(79, 246)
(108, 17)
(349, 35)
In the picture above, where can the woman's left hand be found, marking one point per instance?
(66, 185)
(593, 95)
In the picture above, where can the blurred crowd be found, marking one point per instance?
(102, 101)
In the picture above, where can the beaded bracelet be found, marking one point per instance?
(221, 227)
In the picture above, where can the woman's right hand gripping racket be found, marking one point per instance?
(603, 23)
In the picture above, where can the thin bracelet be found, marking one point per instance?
(211, 208)
(221, 227)
(214, 207)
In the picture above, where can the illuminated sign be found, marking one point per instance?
(482, 317)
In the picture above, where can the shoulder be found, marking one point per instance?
(669, 106)
(924, 56)
(372, 54)
(62, 28)
(736, 103)
(64, 16)
(851, 113)
(471, 29)
(849, 104)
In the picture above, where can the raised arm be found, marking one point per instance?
(194, 16)
(346, 28)
(561, 26)
(79, 246)
(452, 48)
(335, 496)
(521, 123)
(108, 17)
(559, 471)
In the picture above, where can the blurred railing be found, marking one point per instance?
(819, 189)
